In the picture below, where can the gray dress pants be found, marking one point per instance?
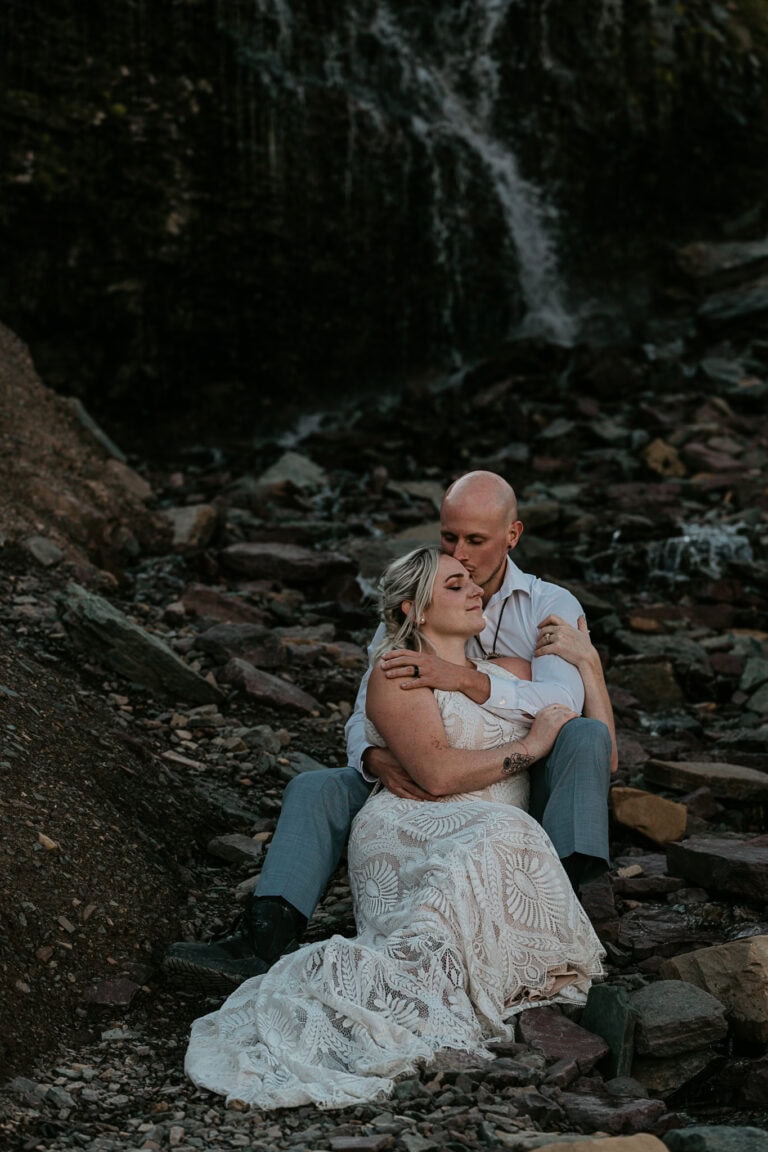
(311, 835)
(569, 796)
(569, 792)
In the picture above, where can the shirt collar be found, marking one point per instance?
(515, 580)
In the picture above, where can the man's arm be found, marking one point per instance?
(513, 698)
(371, 762)
(577, 648)
(354, 729)
(553, 680)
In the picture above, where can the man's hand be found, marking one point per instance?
(380, 762)
(421, 670)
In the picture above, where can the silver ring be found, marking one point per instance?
(548, 637)
(415, 674)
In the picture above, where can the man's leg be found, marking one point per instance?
(569, 797)
(311, 834)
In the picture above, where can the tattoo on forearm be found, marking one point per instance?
(516, 763)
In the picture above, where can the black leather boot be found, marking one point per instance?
(582, 870)
(268, 928)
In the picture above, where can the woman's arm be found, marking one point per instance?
(411, 725)
(559, 638)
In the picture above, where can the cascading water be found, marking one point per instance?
(700, 549)
(428, 77)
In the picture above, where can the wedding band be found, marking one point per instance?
(548, 637)
(415, 674)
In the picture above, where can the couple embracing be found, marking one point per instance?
(468, 724)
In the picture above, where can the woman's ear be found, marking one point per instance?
(405, 607)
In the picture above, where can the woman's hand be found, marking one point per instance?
(546, 728)
(559, 638)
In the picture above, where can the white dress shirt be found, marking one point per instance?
(515, 612)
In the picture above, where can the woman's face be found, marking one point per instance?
(457, 602)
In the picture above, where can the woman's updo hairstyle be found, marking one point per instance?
(410, 577)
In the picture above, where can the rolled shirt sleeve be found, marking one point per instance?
(354, 729)
(514, 698)
(529, 601)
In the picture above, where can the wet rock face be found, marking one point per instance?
(230, 195)
(656, 83)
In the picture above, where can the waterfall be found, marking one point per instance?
(706, 549)
(430, 77)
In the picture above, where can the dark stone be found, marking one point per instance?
(656, 932)
(609, 1013)
(738, 867)
(755, 1084)
(112, 993)
(675, 1017)
(286, 562)
(717, 1138)
(252, 642)
(604, 1114)
(100, 629)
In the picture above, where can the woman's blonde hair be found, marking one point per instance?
(410, 577)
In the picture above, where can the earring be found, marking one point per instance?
(421, 619)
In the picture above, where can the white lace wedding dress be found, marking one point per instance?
(465, 917)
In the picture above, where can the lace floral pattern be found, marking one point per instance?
(465, 917)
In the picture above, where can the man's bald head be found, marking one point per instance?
(484, 489)
(479, 526)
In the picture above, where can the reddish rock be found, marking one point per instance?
(268, 689)
(286, 562)
(227, 608)
(555, 1036)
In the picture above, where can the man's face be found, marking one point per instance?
(479, 539)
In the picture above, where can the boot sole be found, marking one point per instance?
(198, 977)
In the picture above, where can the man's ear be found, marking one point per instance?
(514, 532)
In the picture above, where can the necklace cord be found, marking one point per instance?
(493, 653)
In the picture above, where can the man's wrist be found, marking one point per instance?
(477, 686)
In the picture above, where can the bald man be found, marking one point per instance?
(524, 617)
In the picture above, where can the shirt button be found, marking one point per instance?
(502, 701)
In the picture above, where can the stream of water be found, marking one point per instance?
(433, 79)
